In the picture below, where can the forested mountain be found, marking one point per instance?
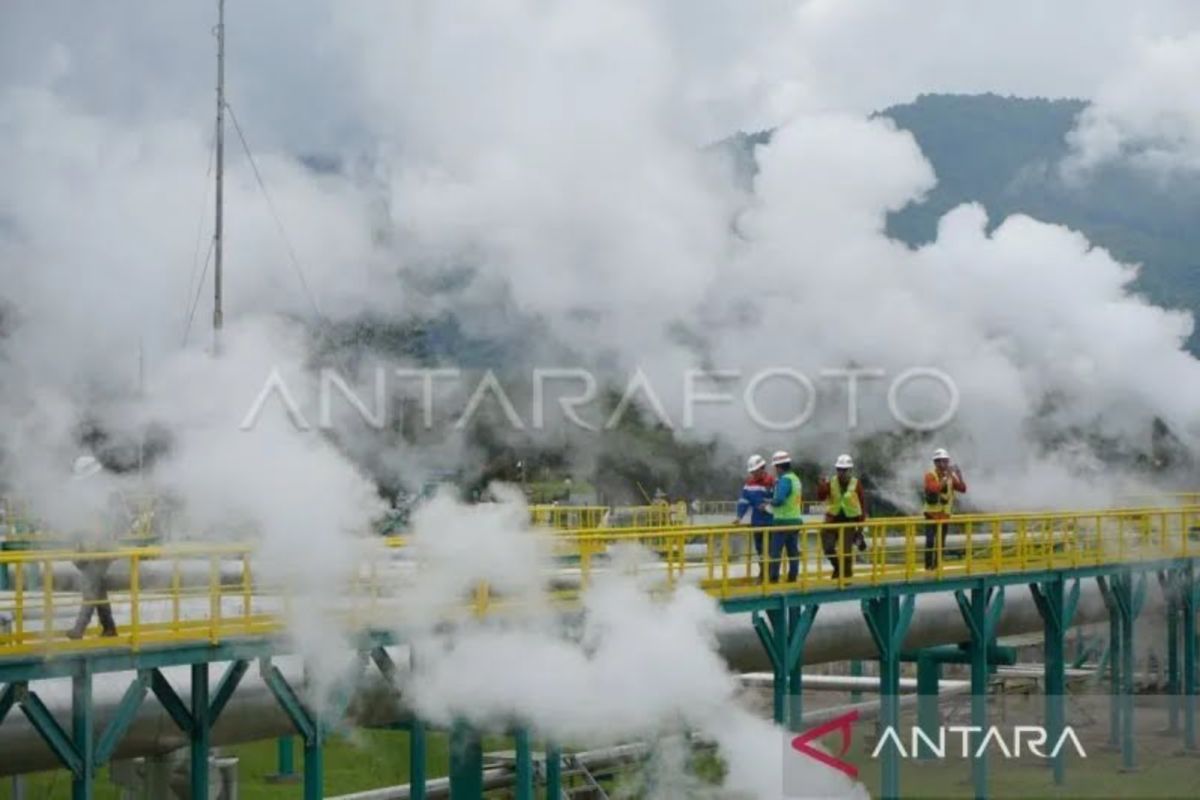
(1007, 153)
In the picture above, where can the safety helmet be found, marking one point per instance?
(86, 466)
(755, 462)
(844, 461)
(940, 454)
(781, 457)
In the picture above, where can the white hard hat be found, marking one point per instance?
(940, 453)
(755, 462)
(844, 461)
(781, 457)
(86, 466)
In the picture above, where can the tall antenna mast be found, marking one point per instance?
(218, 229)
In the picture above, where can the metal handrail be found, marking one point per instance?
(211, 592)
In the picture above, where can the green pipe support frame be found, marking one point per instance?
(783, 632)
(308, 725)
(1189, 597)
(553, 772)
(1057, 608)
(1124, 596)
(466, 763)
(524, 765)
(888, 619)
(981, 611)
(416, 760)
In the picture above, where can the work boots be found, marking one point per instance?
(107, 626)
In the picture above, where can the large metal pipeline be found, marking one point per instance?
(839, 633)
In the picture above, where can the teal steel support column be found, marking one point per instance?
(1170, 587)
(126, 711)
(285, 756)
(199, 738)
(305, 723)
(82, 732)
(776, 645)
(800, 622)
(888, 619)
(783, 633)
(1128, 601)
(48, 728)
(553, 772)
(981, 612)
(8, 698)
(466, 763)
(416, 760)
(314, 765)
(1188, 600)
(524, 787)
(1114, 663)
(929, 716)
(856, 671)
(1051, 604)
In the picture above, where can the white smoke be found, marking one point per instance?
(1146, 114)
(637, 668)
(554, 149)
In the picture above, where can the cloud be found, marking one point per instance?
(1145, 114)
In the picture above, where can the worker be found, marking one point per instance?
(787, 506)
(756, 498)
(92, 571)
(940, 485)
(844, 503)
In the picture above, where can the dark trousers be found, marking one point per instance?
(935, 539)
(787, 539)
(95, 599)
(759, 537)
(839, 544)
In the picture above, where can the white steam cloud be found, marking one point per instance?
(638, 668)
(551, 156)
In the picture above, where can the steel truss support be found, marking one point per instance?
(1057, 607)
(524, 765)
(553, 771)
(783, 632)
(888, 619)
(1124, 595)
(981, 610)
(76, 750)
(197, 718)
(1189, 597)
(1169, 581)
(466, 763)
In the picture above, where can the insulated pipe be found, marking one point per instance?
(839, 633)
(842, 683)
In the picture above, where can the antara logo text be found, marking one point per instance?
(1024, 739)
(1031, 739)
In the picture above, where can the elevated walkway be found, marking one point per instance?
(189, 605)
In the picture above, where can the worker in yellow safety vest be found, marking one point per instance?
(787, 508)
(939, 487)
(845, 503)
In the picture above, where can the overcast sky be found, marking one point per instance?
(298, 69)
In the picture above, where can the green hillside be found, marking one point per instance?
(1006, 152)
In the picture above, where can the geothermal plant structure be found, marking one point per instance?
(222, 674)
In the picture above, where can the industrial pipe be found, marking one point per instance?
(838, 634)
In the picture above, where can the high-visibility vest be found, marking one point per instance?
(792, 509)
(945, 501)
(843, 502)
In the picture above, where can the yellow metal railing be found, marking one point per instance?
(214, 592)
(728, 508)
(568, 517)
(654, 515)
